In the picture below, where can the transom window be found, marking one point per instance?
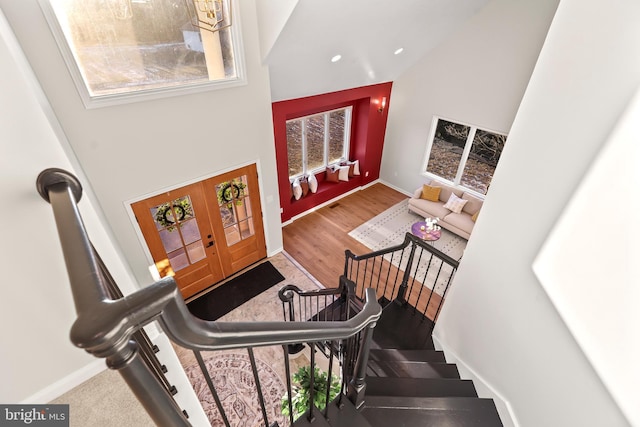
(317, 141)
(119, 48)
(463, 154)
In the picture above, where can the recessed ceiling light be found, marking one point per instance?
(336, 58)
(398, 51)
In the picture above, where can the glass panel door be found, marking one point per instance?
(178, 232)
(235, 197)
(234, 204)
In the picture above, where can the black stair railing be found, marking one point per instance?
(333, 304)
(299, 305)
(110, 325)
(413, 272)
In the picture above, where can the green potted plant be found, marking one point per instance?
(300, 391)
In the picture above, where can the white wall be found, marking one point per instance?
(37, 359)
(576, 272)
(272, 17)
(478, 76)
(498, 318)
(133, 150)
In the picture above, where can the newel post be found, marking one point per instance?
(357, 385)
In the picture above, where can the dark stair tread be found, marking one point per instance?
(414, 333)
(408, 369)
(334, 311)
(388, 354)
(483, 414)
(345, 416)
(419, 387)
(442, 403)
(318, 420)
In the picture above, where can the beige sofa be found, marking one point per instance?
(459, 223)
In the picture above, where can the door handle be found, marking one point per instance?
(211, 243)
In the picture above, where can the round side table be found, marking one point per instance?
(419, 229)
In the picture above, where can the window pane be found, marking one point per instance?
(190, 231)
(314, 133)
(178, 259)
(196, 252)
(124, 46)
(446, 151)
(170, 240)
(336, 136)
(483, 158)
(232, 235)
(294, 147)
(246, 228)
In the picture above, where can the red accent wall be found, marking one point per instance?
(367, 140)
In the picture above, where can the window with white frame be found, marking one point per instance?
(121, 50)
(317, 141)
(463, 154)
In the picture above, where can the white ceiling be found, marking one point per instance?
(365, 32)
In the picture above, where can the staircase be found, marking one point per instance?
(409, 383)
(390, 370)
(405, 381)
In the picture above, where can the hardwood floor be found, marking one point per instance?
(318, 240)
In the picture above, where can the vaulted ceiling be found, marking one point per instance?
(299, 38)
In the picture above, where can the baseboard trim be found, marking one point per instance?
(65, 384)
(505, 410)
(328, 202)
(275, 252)
(399, 190)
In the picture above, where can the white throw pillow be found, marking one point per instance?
(313, 183)
(297, 189)
(356, 167)
(343, 173)
(455, 203)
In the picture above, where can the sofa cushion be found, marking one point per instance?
(473, 205)
(331, 175)
(356, 167)
(460, 220)
(343, 173)
(427, 208)
(446, 191)
(297, 189)
(313, 183)
(455, 203)
(304, 184)
(430, 193)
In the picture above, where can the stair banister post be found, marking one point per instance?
(402, 290)
(357, 385)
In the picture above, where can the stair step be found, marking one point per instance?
(420, 387)
(383, 411)
(318, 420)
(389, 354)
(408, 369)
(335, 311)
(415, 332)
(345, 416)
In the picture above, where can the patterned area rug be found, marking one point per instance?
(233, 380)
(389, 228)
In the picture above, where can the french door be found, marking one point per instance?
(204, 232)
